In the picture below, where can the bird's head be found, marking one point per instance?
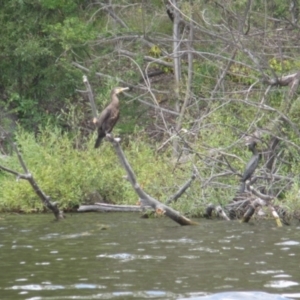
(252, 146)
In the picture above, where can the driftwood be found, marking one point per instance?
(258, 202)
(219, 210)
(104, 207)
(28, 176)
(292, 80)
(248, 202)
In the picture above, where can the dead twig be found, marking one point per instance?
(182, 189)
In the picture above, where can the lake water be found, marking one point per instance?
(121, 256)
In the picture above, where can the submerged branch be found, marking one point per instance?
(258, 202)
(219, 210)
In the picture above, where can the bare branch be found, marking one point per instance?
(109, 10)
(158, 61)
(21, 176)
(77, 65)
(90, 95)
(158, 107)
(180, 192)
(223, 74)
(259, 194)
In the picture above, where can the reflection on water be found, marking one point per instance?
(141, 259)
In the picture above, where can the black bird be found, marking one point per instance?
(109, 116)
(251, 165)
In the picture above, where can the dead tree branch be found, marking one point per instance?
(102, 75)
(28, 176)
(158, 61)
(178, 194)
(90, 95)
(147, 200)
(110, 11)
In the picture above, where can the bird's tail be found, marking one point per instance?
(98, 141)
(242, 187)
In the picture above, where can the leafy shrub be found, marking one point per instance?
(69, 175)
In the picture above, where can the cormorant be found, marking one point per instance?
(251, 166)
(109, 116)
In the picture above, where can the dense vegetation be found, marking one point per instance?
(221, 84)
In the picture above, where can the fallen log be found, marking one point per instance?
(104, 207)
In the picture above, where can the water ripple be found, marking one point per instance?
(281, 284)
(128, 256)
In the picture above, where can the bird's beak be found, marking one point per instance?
(123, 89)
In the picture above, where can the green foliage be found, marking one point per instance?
(41, 39)
(66, 5)
(242, 74)
(69, 175)
(280, 65)
(71, 33)
(155, 51)
(34, 59)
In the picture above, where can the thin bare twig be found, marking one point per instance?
(182, 189)
(90, 95)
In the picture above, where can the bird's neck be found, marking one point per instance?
(254, 151)
(115, 100)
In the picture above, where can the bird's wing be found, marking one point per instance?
(113, 119)
(250, 167)
(104, 116)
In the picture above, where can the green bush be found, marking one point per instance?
(70, 175)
